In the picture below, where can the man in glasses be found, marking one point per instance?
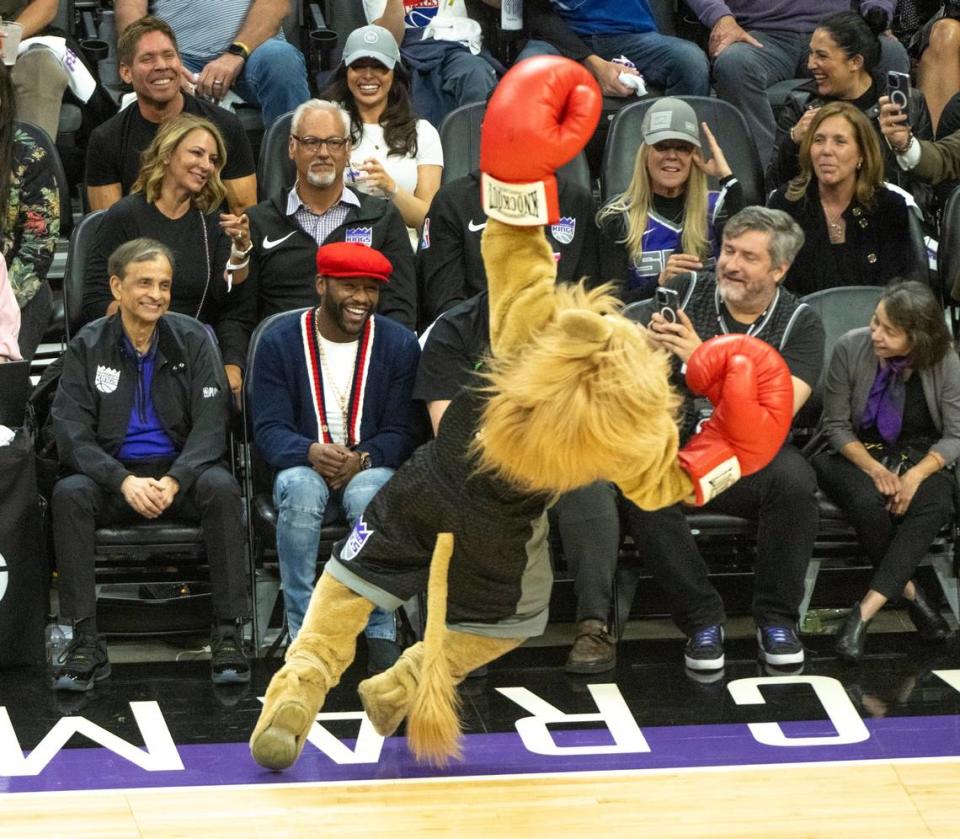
(288, 227)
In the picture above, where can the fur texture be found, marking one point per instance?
(586, 399)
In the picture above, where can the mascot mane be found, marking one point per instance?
(563, 409)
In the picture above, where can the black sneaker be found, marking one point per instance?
(82, 664)
(228, 664)
(704, 650)
(779, 645)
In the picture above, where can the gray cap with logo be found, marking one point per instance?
(371, 42)
(670, 119)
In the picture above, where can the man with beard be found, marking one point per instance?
(149, 61)
(334, 415)
(287, 228)
(744, 297)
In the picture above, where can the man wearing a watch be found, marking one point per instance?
(334, 416)
(232, 45)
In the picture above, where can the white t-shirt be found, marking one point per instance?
(337, 372)
(403, 170)
(416, 13)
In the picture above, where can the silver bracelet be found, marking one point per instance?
(240, 265)
(906, 148)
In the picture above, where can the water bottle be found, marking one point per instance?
(511, 15)
(58, 638)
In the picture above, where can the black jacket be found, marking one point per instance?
(878, 247)
(98, 385)
(283, 265)
(785, 163)
(450, 266)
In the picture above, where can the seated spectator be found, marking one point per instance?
(449, 265)
(287, 228)
(891, 409)
(233, 45)
(596, 32)
(175, 200)
(445, 73)
(667, 222)
(587, 518)
(393, 154)
(745, 297)
(334, 419)
(29, 219)
(844, 54)
(9, 318)
(140, 420)
(148, 60)
(754, 45)
(856, 229)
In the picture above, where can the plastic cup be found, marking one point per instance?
(10, 32)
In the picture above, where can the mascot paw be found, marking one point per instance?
(289, 710)
(388, 696)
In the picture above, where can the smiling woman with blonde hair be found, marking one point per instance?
(175, 200)
(856, 226)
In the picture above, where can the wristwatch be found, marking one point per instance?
(365, 462)
(236, 48)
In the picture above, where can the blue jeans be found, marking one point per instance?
(678, 66)
(304, 503)
(274, 77)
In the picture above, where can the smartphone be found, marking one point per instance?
(668, 301)
(898, 89)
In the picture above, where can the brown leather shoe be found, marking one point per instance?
(594, 650)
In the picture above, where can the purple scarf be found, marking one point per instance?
(884, 408)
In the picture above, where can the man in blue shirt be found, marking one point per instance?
(139, 419)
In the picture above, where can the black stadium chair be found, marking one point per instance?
(460, 138)
(275, 169)
(84, 235)
(726, 123)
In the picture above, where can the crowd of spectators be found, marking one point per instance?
(366, 249)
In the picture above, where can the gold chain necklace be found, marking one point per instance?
(836, 227)
(343, 399)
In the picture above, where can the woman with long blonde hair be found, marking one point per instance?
(668, 221)
(175, 200)
(856, 227)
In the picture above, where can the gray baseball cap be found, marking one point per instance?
(371, 42)
(670, 119)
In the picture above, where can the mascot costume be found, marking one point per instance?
(571, 394)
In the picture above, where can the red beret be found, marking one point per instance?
(351, 259)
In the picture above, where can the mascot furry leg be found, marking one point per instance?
(314, 663)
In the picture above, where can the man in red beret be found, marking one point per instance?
(333, 414)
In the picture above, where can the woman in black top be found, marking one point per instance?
(857, 231)
(174, 201)
(844, 54)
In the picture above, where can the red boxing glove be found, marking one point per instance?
(541, 114)
(750, 386)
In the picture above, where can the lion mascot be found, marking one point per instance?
(572, 393)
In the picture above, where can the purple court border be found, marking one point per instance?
(671, 747)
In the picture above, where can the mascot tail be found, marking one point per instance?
(433, 725)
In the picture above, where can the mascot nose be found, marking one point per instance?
(586, 326)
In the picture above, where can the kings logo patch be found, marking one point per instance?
(360, 236)
(106, 379)
(564, 230)
(358, 538)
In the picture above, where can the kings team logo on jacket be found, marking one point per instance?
(106, 379)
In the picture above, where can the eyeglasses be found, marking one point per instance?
(313, 144)
(674, 145)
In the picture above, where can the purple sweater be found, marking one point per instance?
(781, 15)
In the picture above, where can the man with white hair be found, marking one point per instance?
(287, 228)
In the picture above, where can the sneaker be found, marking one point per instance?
(228, 664)
(594, 649)
(704, 650)
(82, 664)
(779, 645)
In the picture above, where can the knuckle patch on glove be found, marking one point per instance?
(514, 203)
